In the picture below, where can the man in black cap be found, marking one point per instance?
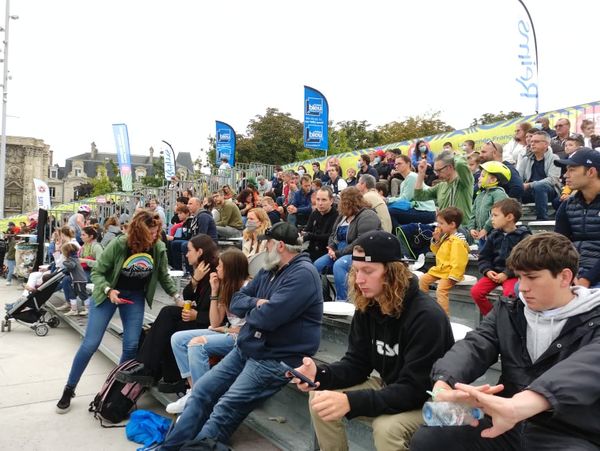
(398, 331)
(578, 217)
(283, 307)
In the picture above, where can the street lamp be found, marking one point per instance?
(5, 79)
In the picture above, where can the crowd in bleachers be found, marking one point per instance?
(471, 200)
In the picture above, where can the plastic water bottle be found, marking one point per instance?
(450, 414)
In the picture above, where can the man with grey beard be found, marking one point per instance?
(283, 307)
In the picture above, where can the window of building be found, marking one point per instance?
(52, 192)
(78, 172)
(53, 173)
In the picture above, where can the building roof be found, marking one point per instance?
(90, 165)
(185, 159)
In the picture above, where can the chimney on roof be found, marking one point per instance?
(93, 151)
(151, 154)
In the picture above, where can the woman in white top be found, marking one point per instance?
(515, 149)
(193, 348)
(256, 223)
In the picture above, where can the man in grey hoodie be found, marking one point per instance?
(548, 396)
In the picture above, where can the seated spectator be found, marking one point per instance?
(193, 348)
(381, 165)
(543, 124)
(540, 175)
(396, 178)
(417, 212)
(366, 186)
(112, 229)
(590, 138)
(336, 182)
(354, 220)
(179, 202)
(548, 346)
(351, 177)
(277, 181)
(455, 188)
(578, 218)
(365, 167)
(381, 188)
(268, 204)
(230, 223)
(316, 185)
(422, 151)
(492, 151)
(473, 161)
(563, 131)
(183, 215)
(493, 175)
(264, 185)
(468, 147)
(258, 221)
(317, 173)
(300, 208)
(492, 256)
(155, 353)
(384, 293)
(572, 144)
(451, 256)
(320, 224)
(514, 151)
(245, 201)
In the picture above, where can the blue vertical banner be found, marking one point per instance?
(316, 120)
(170, 166)
(123, 155)
(225, 143)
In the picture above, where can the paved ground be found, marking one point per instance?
(33, 371)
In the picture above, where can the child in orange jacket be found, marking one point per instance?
(451, 256)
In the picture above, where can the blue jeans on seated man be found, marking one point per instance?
(223, 397)
(193, 360)
(132, 317)
(412, 216)
(178, 250)
(541, 194)
(341, 268)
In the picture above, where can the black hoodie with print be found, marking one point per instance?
(402, 350)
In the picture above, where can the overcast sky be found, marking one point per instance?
(169, 69)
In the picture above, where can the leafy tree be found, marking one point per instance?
(115, 178)
(83, 190)
(489, 118)
(346, 136)
(101, 184)
(158, 177)
(413, 127)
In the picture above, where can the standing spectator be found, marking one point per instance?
(283, 308)
(543, 124)
(540, 175)
(336, 182)
(351, 177)
(514, 151)
(455, 188)
(317, 173)
(129, 268)
(365, 168)
(78, 220)
(492, 257)
(277, 181)
(11, 238)
(563, 130)
(367, 187)
(154, 207)
(224, 167)
(451, 256)
(112, 229)
(548, 346)
(578, 218)
(390, 313)
(300, 208)
(355, 219)
(320, 224)
(590, 138)
(230, 223)
(492, 151)
(264, 185)
(258, 222)
(417, 211)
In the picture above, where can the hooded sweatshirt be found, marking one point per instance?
(544, 327)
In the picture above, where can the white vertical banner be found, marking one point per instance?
(523, 42)
(42, 194)
(169, 162)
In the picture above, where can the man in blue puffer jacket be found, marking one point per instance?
(283, 307)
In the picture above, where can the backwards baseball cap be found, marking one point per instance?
(584, 156)
(379, 247)
(282, 231)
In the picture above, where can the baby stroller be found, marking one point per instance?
(30, 310)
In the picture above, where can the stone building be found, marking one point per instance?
(26, 159)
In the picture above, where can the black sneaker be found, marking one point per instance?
(64, 404)
(179, 386)
(139, 375)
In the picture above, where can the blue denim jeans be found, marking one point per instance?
(410, 216)
(178, 252)
(341, 268)
(132, 317)
(541, 194)
(10, 265)
(223, 397)
(193, 360)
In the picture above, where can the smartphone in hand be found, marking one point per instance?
(295, 373)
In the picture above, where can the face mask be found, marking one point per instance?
(251, 225)
(423, 149)
(537, 125)
(377, 160)
(300, 172)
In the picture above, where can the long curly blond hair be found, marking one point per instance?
(263, 223)
(396, 280)
(139, 237)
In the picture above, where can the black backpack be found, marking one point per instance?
(115, 399)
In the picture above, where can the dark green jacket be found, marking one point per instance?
(108, 268)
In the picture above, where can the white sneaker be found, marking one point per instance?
(63, 308)
(83, 312)
(72, 313)
(8, 284)
(177, 406)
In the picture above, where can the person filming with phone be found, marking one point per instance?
(396, 330)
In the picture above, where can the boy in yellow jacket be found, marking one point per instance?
(451, 256)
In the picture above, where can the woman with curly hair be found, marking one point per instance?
(396, 330)
(124, 277)
(258, 221)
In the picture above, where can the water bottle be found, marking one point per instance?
(450, 414)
